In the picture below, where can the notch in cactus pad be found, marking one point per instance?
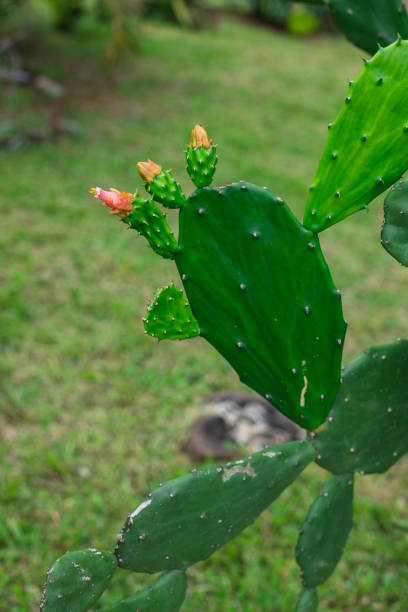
(263, 296)
(367, 147)
(394, 235)
(367, 428)
(169, 316)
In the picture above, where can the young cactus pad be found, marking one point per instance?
(165, 594)
(201, 157)
(325, 530)
(394, 235)
(367, 146)
(77, 580)
(169, 316)
(147, 218)
(367, 428)
(187, 519)
(263, 296)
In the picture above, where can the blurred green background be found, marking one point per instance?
(92, 412)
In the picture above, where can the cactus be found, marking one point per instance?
(394, 235)
(77, 580)
(368, 23)
(259, 290)
(165, 594)
(367, 146)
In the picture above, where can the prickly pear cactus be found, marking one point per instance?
(257, 287)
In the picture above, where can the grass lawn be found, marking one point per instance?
(93, 412)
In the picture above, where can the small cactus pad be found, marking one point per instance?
(367, 428)
(394, 236)
(147, 218)
(201, 164)
(367, 146)
(308, 601)
(165, 594)
(169, 316)
(369, 23)
(325, 531)
(259, 287)
(77, 580)
(165, 189)
(189, 518)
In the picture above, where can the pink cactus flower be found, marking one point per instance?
(120, 202)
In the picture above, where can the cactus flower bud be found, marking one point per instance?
(120, 202)
(199, 137)
(148, 170)
(201, 157)
(161, 184)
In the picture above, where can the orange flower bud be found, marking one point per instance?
(199, 137)
(148, 170)
(120, 202)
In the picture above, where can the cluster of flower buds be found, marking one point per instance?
(201, 162)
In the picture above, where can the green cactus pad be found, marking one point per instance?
(394, 235)
(147, 218)
(325, 531)
(77, 580)
(201, 163)
(308, 601)
(166, 594)
(165, 189)
(369, 23)
(367, 146)
(189, 518)
(263, 296)
(367, 428)
(169, 316)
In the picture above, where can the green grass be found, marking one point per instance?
(93, 412)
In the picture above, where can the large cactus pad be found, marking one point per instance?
(263, 296)
(367, 146)
(367, 429)
(187, 519)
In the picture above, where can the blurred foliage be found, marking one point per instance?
(28, 20)
(286, 14)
